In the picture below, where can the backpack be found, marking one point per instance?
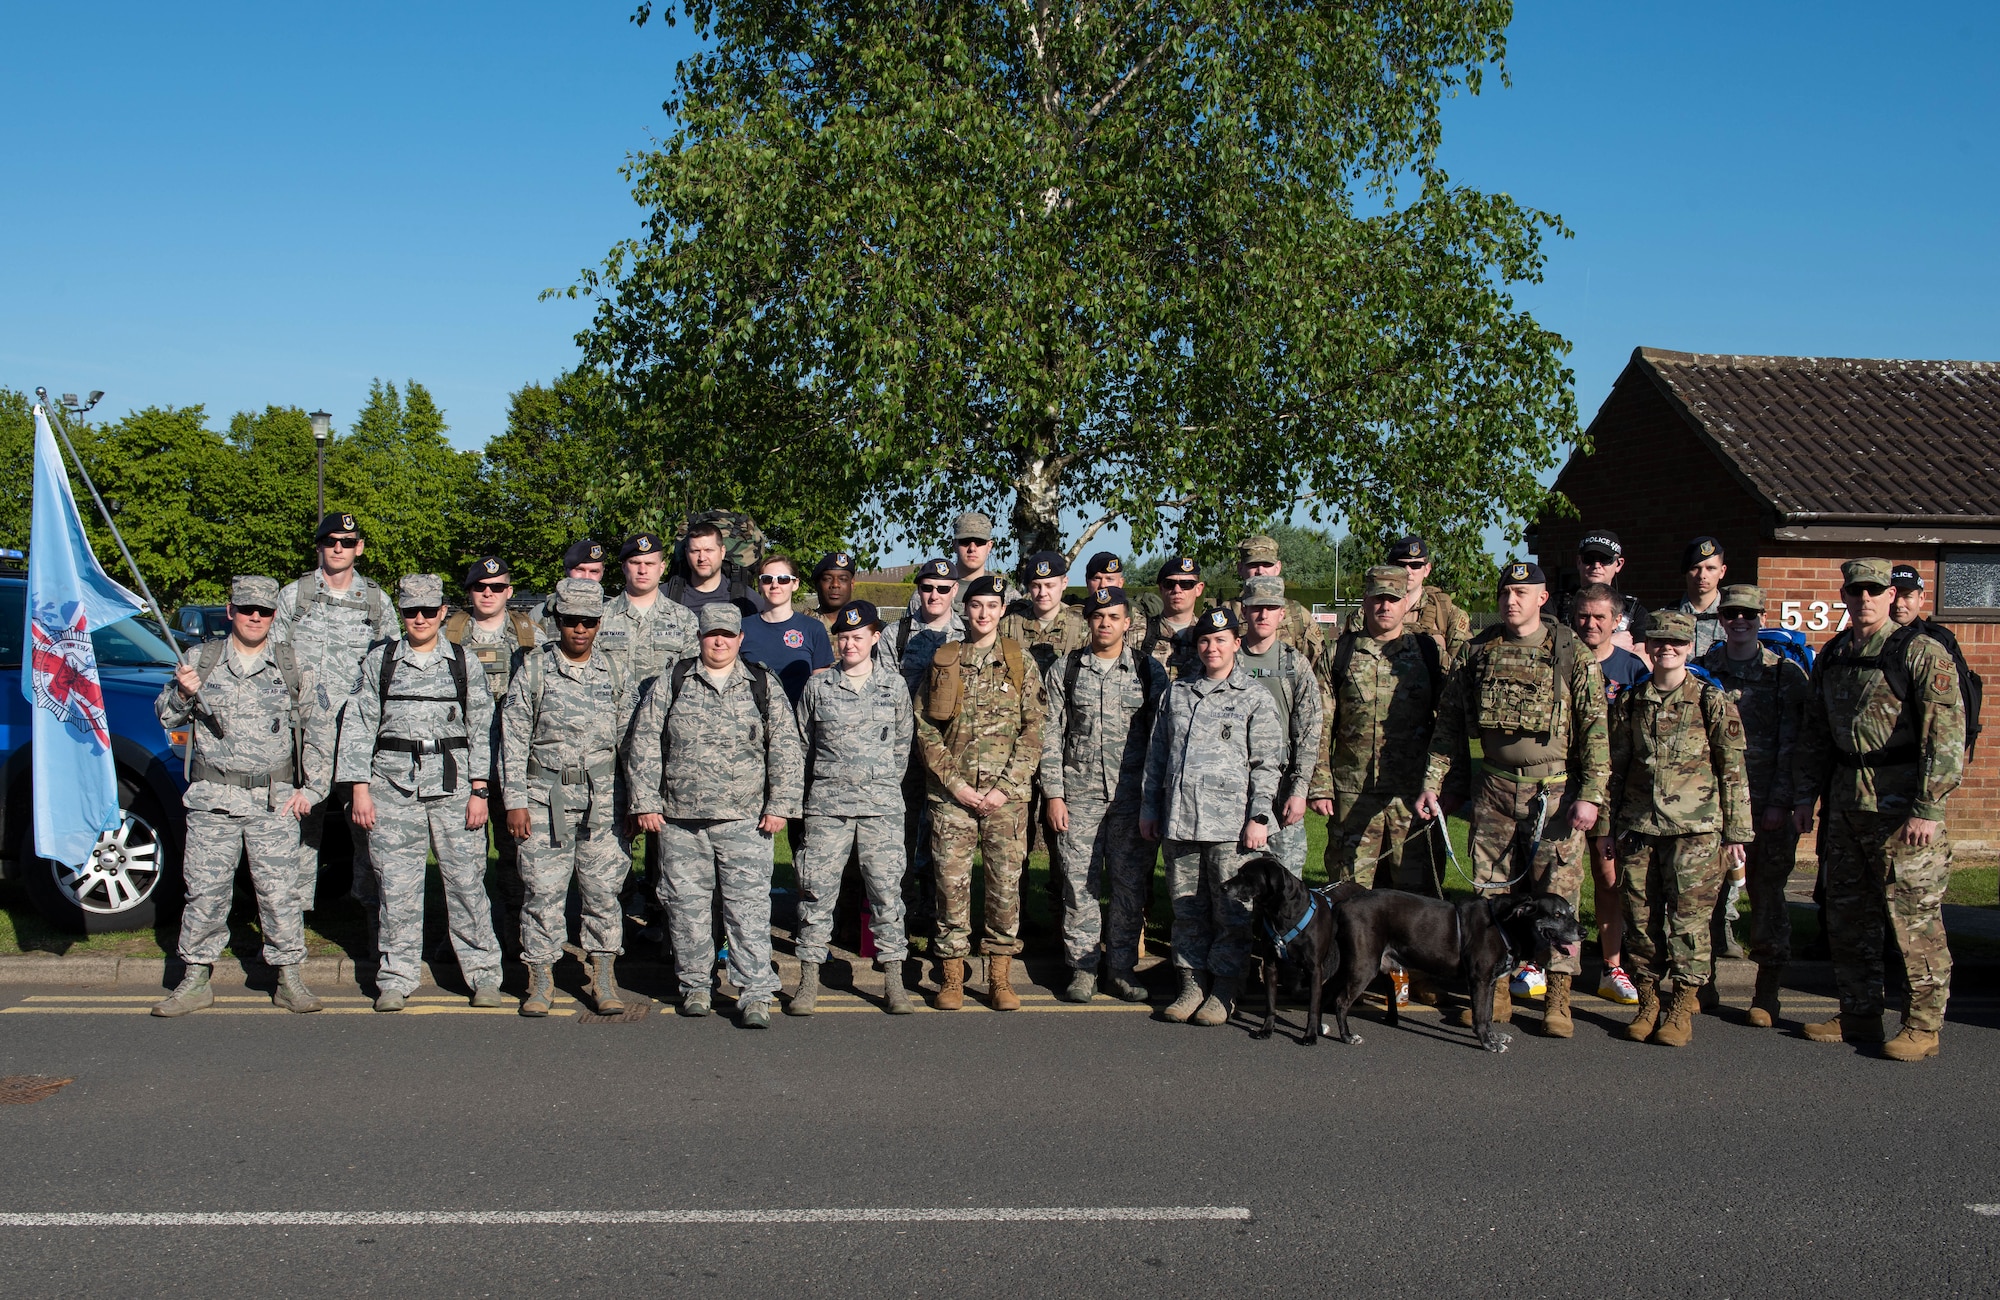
(1791, 644)
(460, 623)
(1894, 664)
(458, 678)
(1073, 665)
(743, 544)
(760, 683)
(1343, 658)
(532, 668)
(946, 685)
(285, 655)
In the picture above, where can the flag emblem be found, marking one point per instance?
(64, 665)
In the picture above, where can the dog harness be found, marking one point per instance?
(1283, 941)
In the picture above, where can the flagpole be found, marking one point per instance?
(60, 425)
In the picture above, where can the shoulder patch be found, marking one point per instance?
(1943, 681)
(1734, 728)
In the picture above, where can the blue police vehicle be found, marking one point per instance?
(135, 869)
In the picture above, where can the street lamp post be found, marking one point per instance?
(322, 425)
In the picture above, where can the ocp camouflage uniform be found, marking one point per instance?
(1377, 749)
(494, 651)
(561, 726)
(1094, 750)
(1537, 706)
(1295, 688)
(712, 764)
(1770, 693)
(1853, 713)
(1300, 630)
(420, 805)
(1436, 616)
(907, 650)
(993, 742)
(857, 739)
(1677, 792)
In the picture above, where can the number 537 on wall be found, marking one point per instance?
(1813, 616)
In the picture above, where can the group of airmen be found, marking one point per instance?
(1673, 753)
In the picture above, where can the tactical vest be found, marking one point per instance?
(497, 662)
(1524, 688)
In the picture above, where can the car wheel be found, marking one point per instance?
(120, 886)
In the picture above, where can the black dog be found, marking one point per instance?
(1289, 924)
(1478, 941)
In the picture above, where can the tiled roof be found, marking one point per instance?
(1836, 440)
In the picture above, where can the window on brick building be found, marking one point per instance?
(1971, 580)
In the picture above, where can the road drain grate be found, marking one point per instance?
(25, 1089)
(633, 1011)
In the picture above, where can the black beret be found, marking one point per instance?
(485, 570)
(1701, 548)
(1522, 573)
(987, 584)
(833, 562)
(855, 615)
(1046, 564)
(1106, 598)
(1103, 562)
(1409, 548)
(333, 522)
(583, 552)
(1220, 619)
(639, 544)
(936, 570)
(1180, 566)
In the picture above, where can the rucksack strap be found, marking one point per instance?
(457, 626)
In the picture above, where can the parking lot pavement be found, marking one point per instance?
(1058, 1152)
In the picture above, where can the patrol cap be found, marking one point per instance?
(1047, 564)
(936, 570)
(639, 544)
(1670, 625)
(719, 616)
(1103, 562)
(1701, 548)
(335, 521)
(1412, 547)
(1522, 573)
(987, 584)
(1180, 566)
(1743, 596)
(486, 569)
(1106, 598)
(580, 597)
(855, 615)
(1904, 577)
(833, 562)
(1866, 573)
(1387, 580)
(419, 591)
(585, 551)
(1257, 549)
(972, 525)
(253, 591)
(1267, 592)
(1601, 541)
(1220, 619)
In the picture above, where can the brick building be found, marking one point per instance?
(1796, 464)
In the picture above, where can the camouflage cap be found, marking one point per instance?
(419, 591)
(1266, 592)
(719, 616)
(1387, 580)
(972, 525)
(581, 597)
(254, 591)
(1257, 550)
(1669, 625)
(1866, 573)
(1743, 596)
(856, 615)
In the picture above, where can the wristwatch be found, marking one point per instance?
(479, 792)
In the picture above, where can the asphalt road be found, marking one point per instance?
(1753, 1163)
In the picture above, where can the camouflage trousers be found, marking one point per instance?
(821, 861)
(1503, 816)
(1102, 843)
(1000, 838)
(1669, 884)
(1211, 930)
(1871, 875)
(1368, 842)
(698, 861)
(407, 831)
(1288, 843)
(1772, 858)
(592, 854)
(215, 842)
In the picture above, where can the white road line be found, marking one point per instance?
(1990, 1211)
(504, 1218)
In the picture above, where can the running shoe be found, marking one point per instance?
(1616, 986)
(1528, 982)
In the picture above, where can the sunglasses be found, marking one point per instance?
(1409, 564)
(577, 620)
(1868, 587)
(422, 611)
(256, 611)
(1180, 584)
(1739, 615)
(489, 587)
(339, 543)
(933, 589)
(776, 579)
(972, 541)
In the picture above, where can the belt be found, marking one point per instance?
(559, 779)
(1539, 773)
(200, 770)
(422, 747)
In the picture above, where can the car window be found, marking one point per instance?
(13, 624)
(128, 643)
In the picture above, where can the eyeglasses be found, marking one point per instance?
(776, 579)
(422, 611)
(972, 541)
(339, 543)
(1180, 584)
(1740, 615)
(577, 620)
(490, 588)
(934, 589)
(256, 611)
(1409, 564)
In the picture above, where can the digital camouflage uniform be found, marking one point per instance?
(1214, 763)
(1094, 750)
(1300, 630)
(993, 742)
(1376, 752)
(857, 738)
(1295, 688)
(1770, 693)
(1869, 872)
(561, 726)
(712, 765)
(1677, 793)
(420, 802)
(645, 642)
(1544, 750)
(494, 650)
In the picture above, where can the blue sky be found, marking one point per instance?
(239, 205)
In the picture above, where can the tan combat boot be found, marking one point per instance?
(1843, 1028)
(190, 995)
(1678, 1031)
(1648, 1015)
(1189, 998)
(1556, 1022)
(541, 991)
(951, 985)
(1911, 1045)
(999, 969)
(806, 1000)
(1221, 1003)
(604, 985)
(292, 993)
(1503, 1005)
(895, 998)
(1764, 1002)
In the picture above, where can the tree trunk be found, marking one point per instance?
(1037, 517)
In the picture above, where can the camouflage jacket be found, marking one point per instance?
(1380, 720)
(647, 641)
(1300, 630)
(1677, 764)
(1295, 688)
(1215, 757)
(1094, 746)
(907, 647)
(1525, 711)
(1437, 617)
(857, 743)
(331, 632)
(423, 706)
(1770, 694)
(1045, 640)
(709, 756)
(995, 742)
(1172, 650)
(494, 653)
(564, 719)
(1852, 710)
(241, 723)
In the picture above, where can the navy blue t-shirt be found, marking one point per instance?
(1620, 669)
(793, 649)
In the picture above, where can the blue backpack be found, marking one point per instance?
(1792, 645)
